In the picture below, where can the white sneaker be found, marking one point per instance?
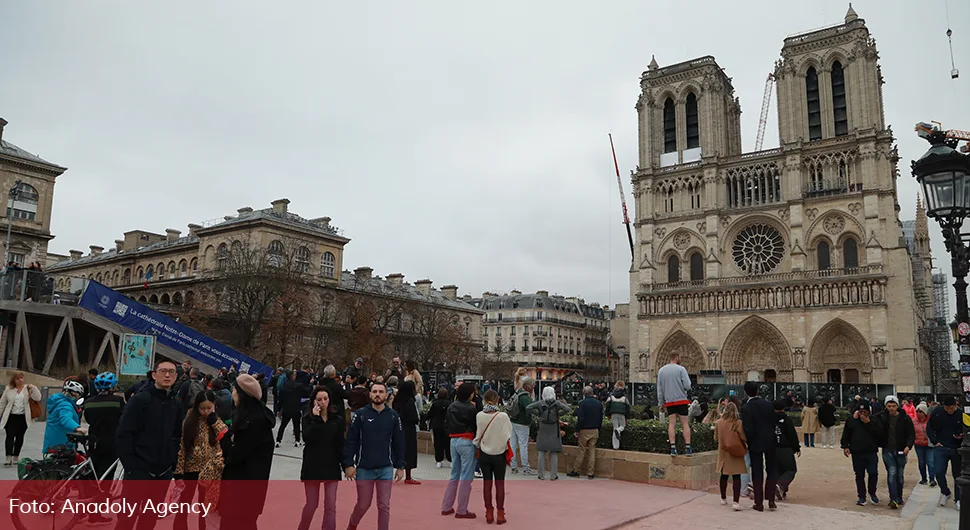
(944, 499)
(958, 505)
(277, 444)
(437, 465)
(723, 502)
(736, 507)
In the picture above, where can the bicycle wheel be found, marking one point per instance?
(40, 486)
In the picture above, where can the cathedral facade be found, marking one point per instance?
(786, 264)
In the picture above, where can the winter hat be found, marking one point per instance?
(922, 408)
(893, 399)
(249, 385)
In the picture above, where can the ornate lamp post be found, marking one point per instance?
(944, 175)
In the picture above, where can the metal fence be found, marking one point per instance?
(33, 285)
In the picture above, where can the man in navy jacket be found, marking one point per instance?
(589, 421)
(758, 419)
(374, 455)
(945, 432)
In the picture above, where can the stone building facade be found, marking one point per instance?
(786, 264)
(29, 212)
(551, 336)
(169, 271)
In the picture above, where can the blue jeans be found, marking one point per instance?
(895, 466)
(746, 478)
(367, 480)
(462, 473)
(809, 439)
(924, 459)
(520, 445)
(941, 457)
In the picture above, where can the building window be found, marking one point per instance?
(275, 253)
(673, 269)
(195, 265)
(328, 265)
(693, 124)
(22, 203)
(668, 195)
(850, 254)
(694, 189)
(141, 274)
(696, 267)
(19, 259)
(670, 126)
(839, 108)
(183, 269)
(823, 256)
(149, 273)
(814, 105)
(223, 256)
(171, 270)
(303, 260)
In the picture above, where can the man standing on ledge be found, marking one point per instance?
(373, 456)
(673, 383)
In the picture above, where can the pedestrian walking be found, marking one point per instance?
(404, 405)
(945, 431)
(673, 384)
(758, 419)
(374, 456)
(860, 440)
(200, 464)
(439, 433)
(924, 451)
(786, 449)
(549, 436)
(494, 434)
(589, 421)
(521, 425)
(826, 420)
(898, 436)
(731, 445)
(618, 407)
(15, 414)
(323, 434)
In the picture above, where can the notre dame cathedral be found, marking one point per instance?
(780, 265)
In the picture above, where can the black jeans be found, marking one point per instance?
(736, 486)
(287, 417)
(493, 471)
(787, 467)
(191, 484)
(862, 464)
(762, 462)
(442, 445)
(140, 486)
(15, 428)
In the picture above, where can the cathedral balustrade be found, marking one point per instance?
(795, 290)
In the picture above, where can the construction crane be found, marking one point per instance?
(924, 130)
(626, 218)
(765, 102)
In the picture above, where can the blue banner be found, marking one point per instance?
(120, 309)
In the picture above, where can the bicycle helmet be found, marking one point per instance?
(73, 386)
(105, 381)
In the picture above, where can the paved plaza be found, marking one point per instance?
(822, 497)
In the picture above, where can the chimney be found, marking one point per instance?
(280, 205)
(363, 273)
(396, 280)
(96, 250)
(244, 210)
(542, 293)
(192, 228)
(424, 287)
(3, 124)
(450, 292)
(516, 292)
(228, 218)
(119, 244)
(171, 234)
(322, 222)
(76, 255)
(467, 298)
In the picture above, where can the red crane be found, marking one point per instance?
(626, 218)
(765, 102)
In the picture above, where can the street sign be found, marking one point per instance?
(963, 329)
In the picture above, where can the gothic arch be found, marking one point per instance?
(668, 244)
(687, 88)
(809, 62)
(852, 225)
(756, 344)
(839, 345)
(833, 55)
(691, 353)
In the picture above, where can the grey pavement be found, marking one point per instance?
(924, 510)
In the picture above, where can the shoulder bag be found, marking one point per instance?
(508, 444)
(734, 444)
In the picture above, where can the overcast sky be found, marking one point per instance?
(465, 145)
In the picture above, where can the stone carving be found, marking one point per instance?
(758, 249)
(681, 240)
(855, 208)
(725, 220)
(660, 232)
(811, 213)
(644, 361)
(702, 227)
(879, 357)
(798, 355)
(783, 214)
(834, 224)
(712, 359)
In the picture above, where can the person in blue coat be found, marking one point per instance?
(62, 415)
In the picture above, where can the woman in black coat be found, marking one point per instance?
(323, 434)
(248, 456)
(436, 420)
(406, 407)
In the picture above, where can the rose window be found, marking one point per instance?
(758, 249)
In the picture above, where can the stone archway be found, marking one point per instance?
(691, 354)
(839, 346)
(756, 345)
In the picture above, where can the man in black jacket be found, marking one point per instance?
(148, 439)
(786, 447)
(898, 438)
(758, 419)
(291, 397)
(945, 432)
(589, 421)
(860, 440)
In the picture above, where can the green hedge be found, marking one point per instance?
(648, 436)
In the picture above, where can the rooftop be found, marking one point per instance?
(321, 226)
(382, 286)
(539, 300)
(114, 253)
(9, 149)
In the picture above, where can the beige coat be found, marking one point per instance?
(810, 420)
(728, 464)
(415, 376)
(8, 398)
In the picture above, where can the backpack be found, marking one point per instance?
(549, 414)
(694, 411)
(514, 409)
(195, 386)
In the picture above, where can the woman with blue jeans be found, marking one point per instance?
(924, 451)
(460, 420)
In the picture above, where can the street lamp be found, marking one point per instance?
(14, 195)
(944, 175)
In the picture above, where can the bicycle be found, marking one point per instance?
(55, 479)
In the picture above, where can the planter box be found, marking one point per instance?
(695, 472)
